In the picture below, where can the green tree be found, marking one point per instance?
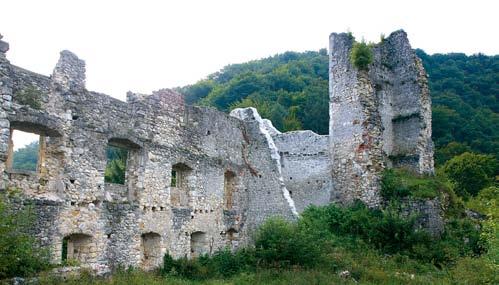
(281, 243)
(116, 165)
(19, 254)
(471, 172)
(26, 158)
(291, 122)
(450, 150)
(463, 90)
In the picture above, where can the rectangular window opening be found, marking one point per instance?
(174, 178)
(116, 164)
(24, 150)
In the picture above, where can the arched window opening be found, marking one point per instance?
(229, 189)
(199, 244)
(179, 184)
(79, 248)
(151, 250)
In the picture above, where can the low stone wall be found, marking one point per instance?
(429, 214)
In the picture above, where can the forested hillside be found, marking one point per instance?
(26, 158)
(291, 89)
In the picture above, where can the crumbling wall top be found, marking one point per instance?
(4, 46)
(69, 71)
(163, 98)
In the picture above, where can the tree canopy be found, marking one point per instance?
(291, 89)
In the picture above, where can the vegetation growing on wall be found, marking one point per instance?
(30, 96)
(361, 55)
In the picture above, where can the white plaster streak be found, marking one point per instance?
(266, 128)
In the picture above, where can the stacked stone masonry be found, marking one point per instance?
(231, 171)
(380, 117)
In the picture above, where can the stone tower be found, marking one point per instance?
(380, 117)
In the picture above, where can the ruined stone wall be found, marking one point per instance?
(138, 222)
(305, 164)
(235, 170)
(380, 117)
(266, 182)
(5, 105)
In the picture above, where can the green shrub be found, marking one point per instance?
(361, 55)
(19, 256)
(391, 232)
(30, 96)
(486, 202)
(184, 267)
(221, 264)
(384, 229)
(471, 172)
(281, 243)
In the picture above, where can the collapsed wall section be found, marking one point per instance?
(305, 166)
(404, 104)
(266, 175)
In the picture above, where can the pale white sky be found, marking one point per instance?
(21, 139)
(147, 45)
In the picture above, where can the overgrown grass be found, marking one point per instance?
(365, 266)
(400, 183)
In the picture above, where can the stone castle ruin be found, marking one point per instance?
(198, 180)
